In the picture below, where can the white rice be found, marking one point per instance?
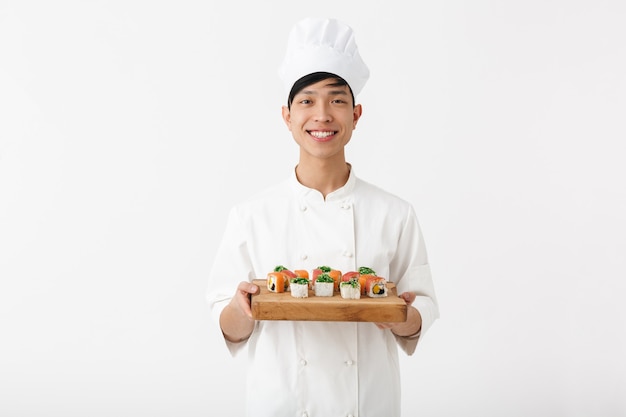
(349, 292)
(299, 290)
(324, 289)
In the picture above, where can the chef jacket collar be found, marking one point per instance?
(314, 195)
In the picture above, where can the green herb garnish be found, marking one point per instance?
(364, 270)
(279, 268)
(353, 282)
(324, 278)
(302, 281)
(324, 268)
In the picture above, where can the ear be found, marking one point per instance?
(287, 116)
(356, 115)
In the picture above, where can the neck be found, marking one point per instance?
(323, 176)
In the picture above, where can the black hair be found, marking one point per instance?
(313, 78)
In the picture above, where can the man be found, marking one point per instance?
(322, 215)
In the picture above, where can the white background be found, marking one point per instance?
(127, 130)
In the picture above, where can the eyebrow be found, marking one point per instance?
(331, 92)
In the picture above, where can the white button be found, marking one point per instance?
(305, 414)
(347, 254)
(345, 206)
(303, 256)
(349, 363)
(302, 208)
(302, 362)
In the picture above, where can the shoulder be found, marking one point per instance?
(266, 198)
(367, 192)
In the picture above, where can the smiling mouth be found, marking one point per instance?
(322, 134)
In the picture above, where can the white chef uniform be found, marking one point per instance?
(323, 369)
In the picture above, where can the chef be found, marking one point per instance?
(322, 214)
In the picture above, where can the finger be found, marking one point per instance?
(248, 288)
(244, 304)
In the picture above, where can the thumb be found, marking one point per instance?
(248, 288)
(253, 289)
(408, 297)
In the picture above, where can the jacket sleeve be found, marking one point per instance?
(411, 264)
(231, 265)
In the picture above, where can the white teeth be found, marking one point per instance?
(321, 135)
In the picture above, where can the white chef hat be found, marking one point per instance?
(323, 45)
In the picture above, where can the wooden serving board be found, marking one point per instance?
(283, 306)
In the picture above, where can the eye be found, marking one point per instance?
(305, 101)
(338, 101)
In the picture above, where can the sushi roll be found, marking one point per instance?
(289, 274)
(355, 275)
(335, 274)
(303, 273)
(277, 282)
(324, 286)
(317, 272)
(365, 273)
(350, 289)
(299, 287)
(376, 287)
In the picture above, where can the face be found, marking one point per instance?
(321, 120)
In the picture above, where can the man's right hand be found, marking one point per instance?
(236, 319)
(242, 298)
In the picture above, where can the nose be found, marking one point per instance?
(322, 112)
